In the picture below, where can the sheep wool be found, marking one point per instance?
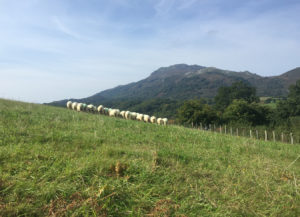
(74, 105)
(100, 109)
(146, 118)
(105, 111)
(80, 107)
(153, 120)
(159, 121)
(140, 117)
(91, 108)
(69, 104)
(114, 112)
(122, 113)
(165, 121)
(133, 115)
(127, 115)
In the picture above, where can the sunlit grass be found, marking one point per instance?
(55, 161)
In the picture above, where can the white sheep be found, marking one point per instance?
(165, 121)
(74, 105)
(159, 121)
(100, 109)
(133, 115)
(79, 107)
(127, 115)
(69, 104)
(122, 113)
(105, 111)
(114, 112)
(140, 117)
(153, 120)
(91, 108)
(146, 118)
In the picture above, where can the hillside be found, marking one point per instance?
(182, 82)
(57, 162)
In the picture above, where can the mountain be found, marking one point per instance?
(181, 82)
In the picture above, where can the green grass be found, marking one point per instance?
(59, 162)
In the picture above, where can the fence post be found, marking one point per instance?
(214, 127)
(231, 131)
(192, 124)
(274, 137)
(251, 134)
(237, 131)
(282, 137)
(225, 129)
(266, 135)
(292, 139)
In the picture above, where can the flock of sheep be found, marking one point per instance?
(116, 113)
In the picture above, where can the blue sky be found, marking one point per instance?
(56, 49)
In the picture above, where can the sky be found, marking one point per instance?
(58, 49)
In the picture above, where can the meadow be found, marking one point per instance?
(58, 162)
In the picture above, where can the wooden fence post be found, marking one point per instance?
(256, 134)
(237, 131)
(266, 135)
(292, 139)
(214, 127)
(274, 137)
(251, 134)
(231, 131)
(282, 137)
(225, 129)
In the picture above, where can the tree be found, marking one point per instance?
(242, 113)
(238, 90)
(196, 112)
(291, 106)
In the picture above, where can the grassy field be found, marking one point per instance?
(58, 162)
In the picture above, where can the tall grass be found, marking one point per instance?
(59, 162)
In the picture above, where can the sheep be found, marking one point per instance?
(140, 117)
(105, 111)
(153, 120)
(159, 121)
(79, 107)
(133, 115)
(74, 105)
(84, 107)
(122, 113)
(146, 118)
(127, 115)
(165, 121)
(69, 104)
(100, 109)
(114, 112)
(91, 108)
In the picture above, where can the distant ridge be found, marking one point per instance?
(182, 82)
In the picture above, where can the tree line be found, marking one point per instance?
(238, 105)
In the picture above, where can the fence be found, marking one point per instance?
(266, 135)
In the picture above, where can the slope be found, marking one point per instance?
(182, 82)
(59, 162)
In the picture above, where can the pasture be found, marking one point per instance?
(59, 162)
